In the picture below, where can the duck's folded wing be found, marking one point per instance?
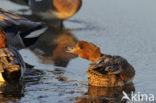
(112, 66)
(105, 68)
(25, 26)
(112, 69)
(109, 65)
(7, 18)
(21, 30)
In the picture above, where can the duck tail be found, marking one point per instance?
(31, 36)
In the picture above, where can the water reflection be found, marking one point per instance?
(58, 72)
(11, 92)
(105, 95)
(32, 75)
(50, 47)
(15, 91)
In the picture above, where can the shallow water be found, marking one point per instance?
(118, 27)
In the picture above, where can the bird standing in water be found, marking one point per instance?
(64, 9)
(105, 70)
(53, 9)
(12, 66)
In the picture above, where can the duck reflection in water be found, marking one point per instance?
(50, 47)
(10, 93)
(106, 95)
(15, 91)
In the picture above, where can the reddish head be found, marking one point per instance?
(86, 50)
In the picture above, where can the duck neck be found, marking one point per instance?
(95, 57)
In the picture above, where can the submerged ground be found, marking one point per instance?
(118, 27)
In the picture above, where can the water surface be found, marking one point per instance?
(118, 27)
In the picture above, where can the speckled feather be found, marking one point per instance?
(11, 63)
(110, 71)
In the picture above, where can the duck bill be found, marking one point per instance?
(70, 50)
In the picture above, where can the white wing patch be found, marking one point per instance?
(36, 33)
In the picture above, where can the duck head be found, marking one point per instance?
(2, 39)
(86, 50)
(63, 9)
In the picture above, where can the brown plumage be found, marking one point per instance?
(2, 39)
(105, 70)
(12, 66)
(63, 9)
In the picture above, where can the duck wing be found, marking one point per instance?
(14, 25)
(108, 65)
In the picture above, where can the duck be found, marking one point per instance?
(105, 95)
(105, 70)
(55, 42)
(20, 31)
(12, 66)
(53, 9)
(63, 9)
